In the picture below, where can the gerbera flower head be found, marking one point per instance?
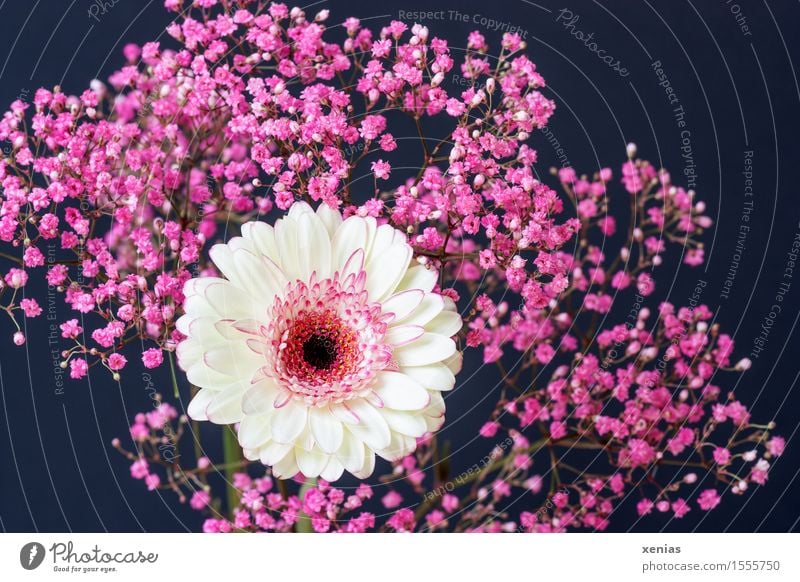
(323, 340)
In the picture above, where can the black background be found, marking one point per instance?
(740, 92)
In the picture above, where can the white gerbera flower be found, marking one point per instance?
(322, 341)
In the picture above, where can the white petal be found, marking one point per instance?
(406, 423)
(271, 453)
(259, 398)
(226, 407)
(298, 209)
(367, 468)
(446, 323)
(326, 428)
(198, 306)
(240, 243)
(204, 331)
(402, 304)
(428, 349)
(455, 362)
(230, 302)
(353, 234)
(400, 392)
(197, 407)
(314, 246)
(333, 470)
(183, 323)
(311, 463)
(430, 306)
(331, 218)
(286, 239)
(246, 326)
(287, 467)
(352, 452)
(400, 446)
(226, 330)
(353, 266)
(385, 270)
(232, 359)
(288, 422)
(222, 256)
(403, 334)
(197, 286)
(434, 414)
(201, 375)
(263, 236)
(189, 353)
(254, 430)
(436, 408)
(260, 276)
(419, 277)
(435, 376)
(344, 414)
(306, 440)
(371, 427)
(386, 237)
(449, 304)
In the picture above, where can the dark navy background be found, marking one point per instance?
(739, 91)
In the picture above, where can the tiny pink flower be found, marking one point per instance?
(489, 429)
(152, 481)
(116, 361)
(391, 500)
(139, 469)
(708, 499)
(680, 507)
(200, 499)
(721, 456)
(152, 358)
(78, 368)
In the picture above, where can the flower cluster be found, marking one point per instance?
(329, 337)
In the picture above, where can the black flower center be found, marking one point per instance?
(320, 351)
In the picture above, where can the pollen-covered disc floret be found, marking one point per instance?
(323, 341)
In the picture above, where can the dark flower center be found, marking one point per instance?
(320, 351)
(319, 348)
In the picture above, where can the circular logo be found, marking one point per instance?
(31, 555)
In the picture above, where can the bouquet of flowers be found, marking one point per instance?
(309, 228)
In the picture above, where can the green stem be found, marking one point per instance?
(232, 454)
(175, 390)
